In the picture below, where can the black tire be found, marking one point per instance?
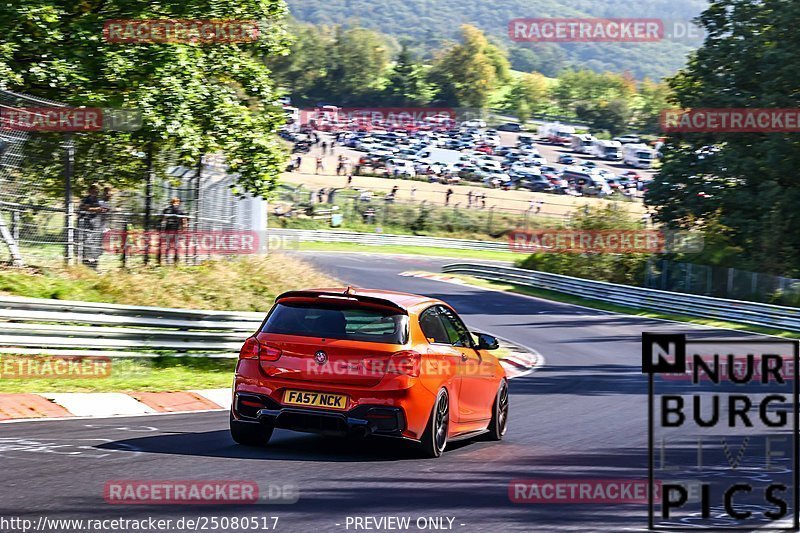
(499, 424)
(249, 434)
(434, 440)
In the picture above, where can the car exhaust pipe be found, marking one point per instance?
(361, 432)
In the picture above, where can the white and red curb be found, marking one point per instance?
(108, 404)
(65, 405)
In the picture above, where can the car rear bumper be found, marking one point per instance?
(360, 421)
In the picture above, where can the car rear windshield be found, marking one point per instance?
(334, 321)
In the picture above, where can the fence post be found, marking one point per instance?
(688, 282)
(148, 202)
(730, 282)
(69, 209)
(15, 225)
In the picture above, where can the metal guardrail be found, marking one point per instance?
(772, 316)
(59, 327)
(384, 239)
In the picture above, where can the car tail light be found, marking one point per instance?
(253, 349)
(250, 349)
(405, 363)
(268, 353)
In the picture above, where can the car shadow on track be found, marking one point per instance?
(284, 446)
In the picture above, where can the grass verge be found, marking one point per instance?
(237, 284)
(138, 375)
(411, 250)
(614, 308)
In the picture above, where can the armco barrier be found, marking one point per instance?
(772, 316)
(383, 239)
(57, 327)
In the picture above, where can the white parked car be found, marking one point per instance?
(490, 163)
(400, 167)
(492, 176)
(524, 168)
(492, 140)
(474, 123)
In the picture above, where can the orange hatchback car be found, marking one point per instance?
(368, 362)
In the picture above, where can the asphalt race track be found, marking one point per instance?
(582, 415)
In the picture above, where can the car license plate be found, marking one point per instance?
(315, 399)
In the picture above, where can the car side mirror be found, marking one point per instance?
(487, 342)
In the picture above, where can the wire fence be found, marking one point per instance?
(721, 282)
(51, 215)
(377, 210)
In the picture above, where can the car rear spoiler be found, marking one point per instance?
(343, 297)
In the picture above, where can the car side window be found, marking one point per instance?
(456, 330)
(431, 324)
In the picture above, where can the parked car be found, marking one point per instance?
(509, 126)
(474, 123)
(360, 362)
(535, 183)
(400, 167)
(566, 159)
(628, 139)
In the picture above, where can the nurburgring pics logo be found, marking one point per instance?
(603, 241)
(730, 429)
(731, 120)
(162, 31)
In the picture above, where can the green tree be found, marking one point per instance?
(612, 116)
(407, 84)
(194, 98)
(743, 185)
(468, 72)
(529, 94)
(651, 100)
(576, 87)
(358, 60)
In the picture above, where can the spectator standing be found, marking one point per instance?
(447, 196)
(90, 213)
(469, 198)
(483, 200)
(173, 221)
(320, 165)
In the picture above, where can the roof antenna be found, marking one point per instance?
(349, 290)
